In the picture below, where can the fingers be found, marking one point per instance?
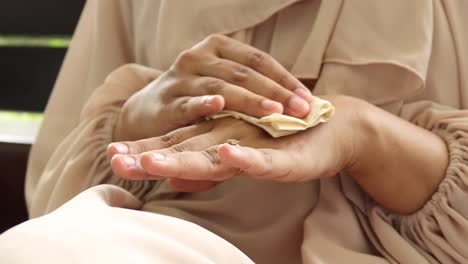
(261, 163)
(194, 158)
(217, 163)
(128, 166)
(236, 98)
(166, 141)
(258, 84)
(179, 153)
(244, 66)
(190, 109)
(197, 157)
(142, 159)
(192, 165)
(251, 57)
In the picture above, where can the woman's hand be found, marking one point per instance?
(198, 152)
(218, 73)
(397, 163)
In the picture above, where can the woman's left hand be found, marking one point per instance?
(195, 158)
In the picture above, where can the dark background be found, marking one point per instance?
(27, 75)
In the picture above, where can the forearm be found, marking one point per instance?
(399, 164)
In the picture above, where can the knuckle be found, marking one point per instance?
(215, 39)
(139, 146)
(292, 173)
(277, 93)
(240, 75)
(288, 176)
(129, 67)
(187, 57)
(173, 138)
(183, 172)
(172, 85)
(184, 111)
(169, 140)
(178, 148)
(212, 156)
(245, 99)
(217, 63)
(265, 170)
(207, 125)
(256, 59)
(267, 158)
(126, 69)
(256, 102)
(170, 74)
(284, 79)
(183, 107)
(214, 86)
(264, 173)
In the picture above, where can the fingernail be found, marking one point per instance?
(121, 148)
(270, 105)
(208, 100)
(129, 161)
(298, 105)
(304, 93)
(159, 156)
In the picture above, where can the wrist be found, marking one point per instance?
(399, 164)
(364, 136)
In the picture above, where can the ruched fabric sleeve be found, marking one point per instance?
(102, 42)
(80, 160)
(439, 230)
(389, 68)
(436, 233)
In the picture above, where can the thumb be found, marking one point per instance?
(266, 164)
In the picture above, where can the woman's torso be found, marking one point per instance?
(311, 39)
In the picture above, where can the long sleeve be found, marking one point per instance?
(438, 231)
(381, 52)
(80, 160)
(397, 70)
(101, 44)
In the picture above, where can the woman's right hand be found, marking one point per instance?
(218, 73)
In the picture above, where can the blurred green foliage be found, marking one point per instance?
(34, 41)
(25, 116)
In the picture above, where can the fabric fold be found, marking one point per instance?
(236, 16)
(389, 64)
(375, 50)
(439, 230)
(80, 160)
